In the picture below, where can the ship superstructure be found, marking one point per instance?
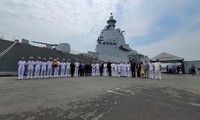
(111, 44)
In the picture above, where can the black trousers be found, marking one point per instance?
(101, 72)
(72, 72)
(133, 72)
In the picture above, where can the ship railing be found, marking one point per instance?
(8, 49)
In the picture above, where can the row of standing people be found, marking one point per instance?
(133, 69)
(149, 69)
(44, 68)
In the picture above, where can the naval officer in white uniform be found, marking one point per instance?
(119, 69)
(97, 67)
(30, 64)
(93, 68)
(123, 70)
(37, 67)
(158, 67)
(21, 68)
(63, 66)
(115, 69)
(105, 70)
(128, 68)
(68, 63)
(76, 68)
(112, 69)
(49, 68)
(56, 70)
(151, 70)
(44, 68)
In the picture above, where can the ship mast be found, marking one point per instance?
(111, 22)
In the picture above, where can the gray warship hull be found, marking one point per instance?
(10, 58)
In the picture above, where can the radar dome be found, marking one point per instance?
(64, 47)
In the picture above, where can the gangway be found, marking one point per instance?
(8, 49)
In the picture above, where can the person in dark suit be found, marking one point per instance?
(133, 66)
(87, 69)
(82, 69)
(109, 67)
(72, 68)
(138, 69)
(101, 69)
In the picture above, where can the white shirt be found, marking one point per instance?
(119, 67)
(128, 66)
(97, 66)
(49, 64)
(68, 65)
(105, 65)
(62, 64)
(93, 66)
(37, 64)
(151, 66)
(115, 66)
(30, 64)
(44, 65)
(112, 66)
(58, 62)
(157, 65)
(124, 66)
(77, 64)
(22, 63)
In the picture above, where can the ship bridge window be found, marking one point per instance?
(108, 43)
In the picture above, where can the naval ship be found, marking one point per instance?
(111, 45)
(12, 51)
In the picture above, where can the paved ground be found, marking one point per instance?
(175, 97)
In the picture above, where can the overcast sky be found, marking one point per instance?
(152, 26)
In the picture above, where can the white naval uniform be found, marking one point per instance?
(112, 69)
(37, 69)
(157, 70)
(63, 66)
(128, 67)
(68, 69)
(76, 68)
(56, 70)
(21, 69)
(115, 70)
(119, 69)
(105, 71)
(97, 73)
(93, 69)
(49, 69)
(30, 69)
(44, 69)
(151, 70)
(123, 72)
